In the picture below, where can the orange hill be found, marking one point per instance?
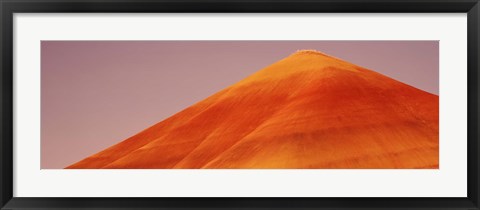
(309, 110)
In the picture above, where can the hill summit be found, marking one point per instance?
(308, 110)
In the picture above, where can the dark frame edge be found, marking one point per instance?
(473, 22)
(6, 95)
(241, 6)
(242, 203)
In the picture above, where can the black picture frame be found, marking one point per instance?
(9, 7)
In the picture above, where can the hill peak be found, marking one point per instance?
(309, 52)
(315, 53)
(309, 110)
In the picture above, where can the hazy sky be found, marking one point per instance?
(98, 93)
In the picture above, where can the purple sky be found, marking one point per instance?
(98, 93)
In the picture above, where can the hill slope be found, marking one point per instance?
(309, 110)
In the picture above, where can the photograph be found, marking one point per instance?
(263, 104)
(240, 104)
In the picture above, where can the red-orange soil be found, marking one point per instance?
(309, 110)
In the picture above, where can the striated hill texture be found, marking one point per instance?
(309, 110)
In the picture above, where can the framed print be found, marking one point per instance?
(239, 105)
